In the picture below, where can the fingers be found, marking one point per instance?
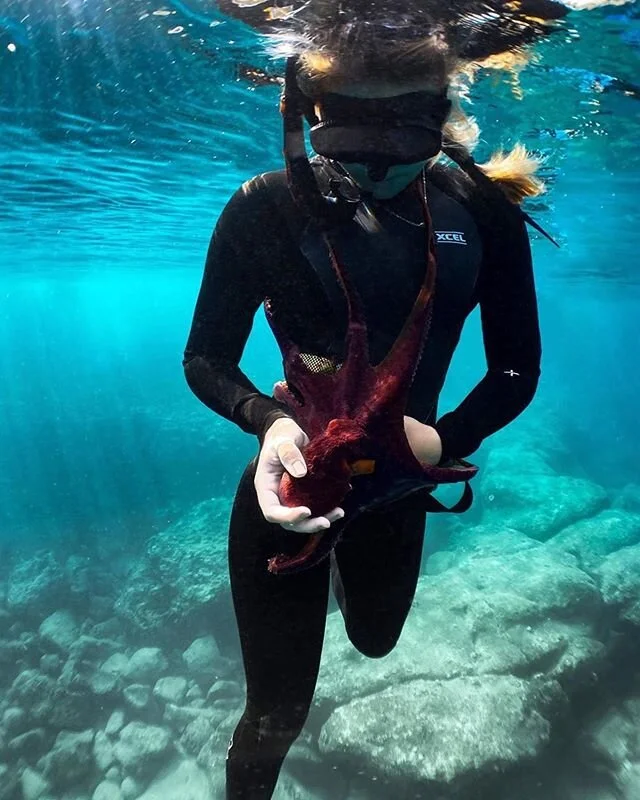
(269, 473)
(291, 458)
(266, 484)
(335, 515)
(283, 515)
(311, 525)
(296, 519)
(314, 524)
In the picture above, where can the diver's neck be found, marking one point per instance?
(409, 195)
(407, 198)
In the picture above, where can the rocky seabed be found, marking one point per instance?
(517, 676)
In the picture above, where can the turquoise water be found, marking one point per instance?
(123, 131)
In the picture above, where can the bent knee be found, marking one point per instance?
(372, 644)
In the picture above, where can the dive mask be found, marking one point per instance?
(403, 129)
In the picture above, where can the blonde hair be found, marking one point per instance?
(514, 171)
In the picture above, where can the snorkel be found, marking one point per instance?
(326, 210)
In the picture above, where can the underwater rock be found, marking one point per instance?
(592, 540)
(224, 691)
(51, 664)
(331, 785)
(628, 498)
(477, 542)
(606, 753)
(13, 659)
(306, 775)
(539, 505)
(110, 628)
(612, 740)
(131, 788)
(103, 682)
(203, 660)
(90, 584)
(516, 457)
(196, 734)
(178, 717)
(116, 665)
(447, 733)
(180, 575)
(34, 786)
(48, 703)
(29, 745)
(141, 748)
(214, 752)
(79, 573)
(115, 723)
(59, 631)
(523, 441)
(9, 782)
(530, 615)
(107, 791)
(200, 653)
(620, 583)
(33, 692)
(101, 610)
(182, 781)
(36, 585)
(146, 600)
(71, 759)
(83, 679)
(194, 692)
(137, 696)
(525, 614)
(94, 649)
(146, 665)
(628, 783)
(14, 721)
(171, 689)
(114, 774)
(103, 751)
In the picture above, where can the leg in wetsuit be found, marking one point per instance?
(281, 621)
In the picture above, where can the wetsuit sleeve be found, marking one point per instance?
(232, 290)
(511, 333)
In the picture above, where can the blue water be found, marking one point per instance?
(124, 130)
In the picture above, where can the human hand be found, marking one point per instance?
(424, 441)
(280, 452)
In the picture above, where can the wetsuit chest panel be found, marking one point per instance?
(386, 267)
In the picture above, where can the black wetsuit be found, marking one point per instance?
(262, 248)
